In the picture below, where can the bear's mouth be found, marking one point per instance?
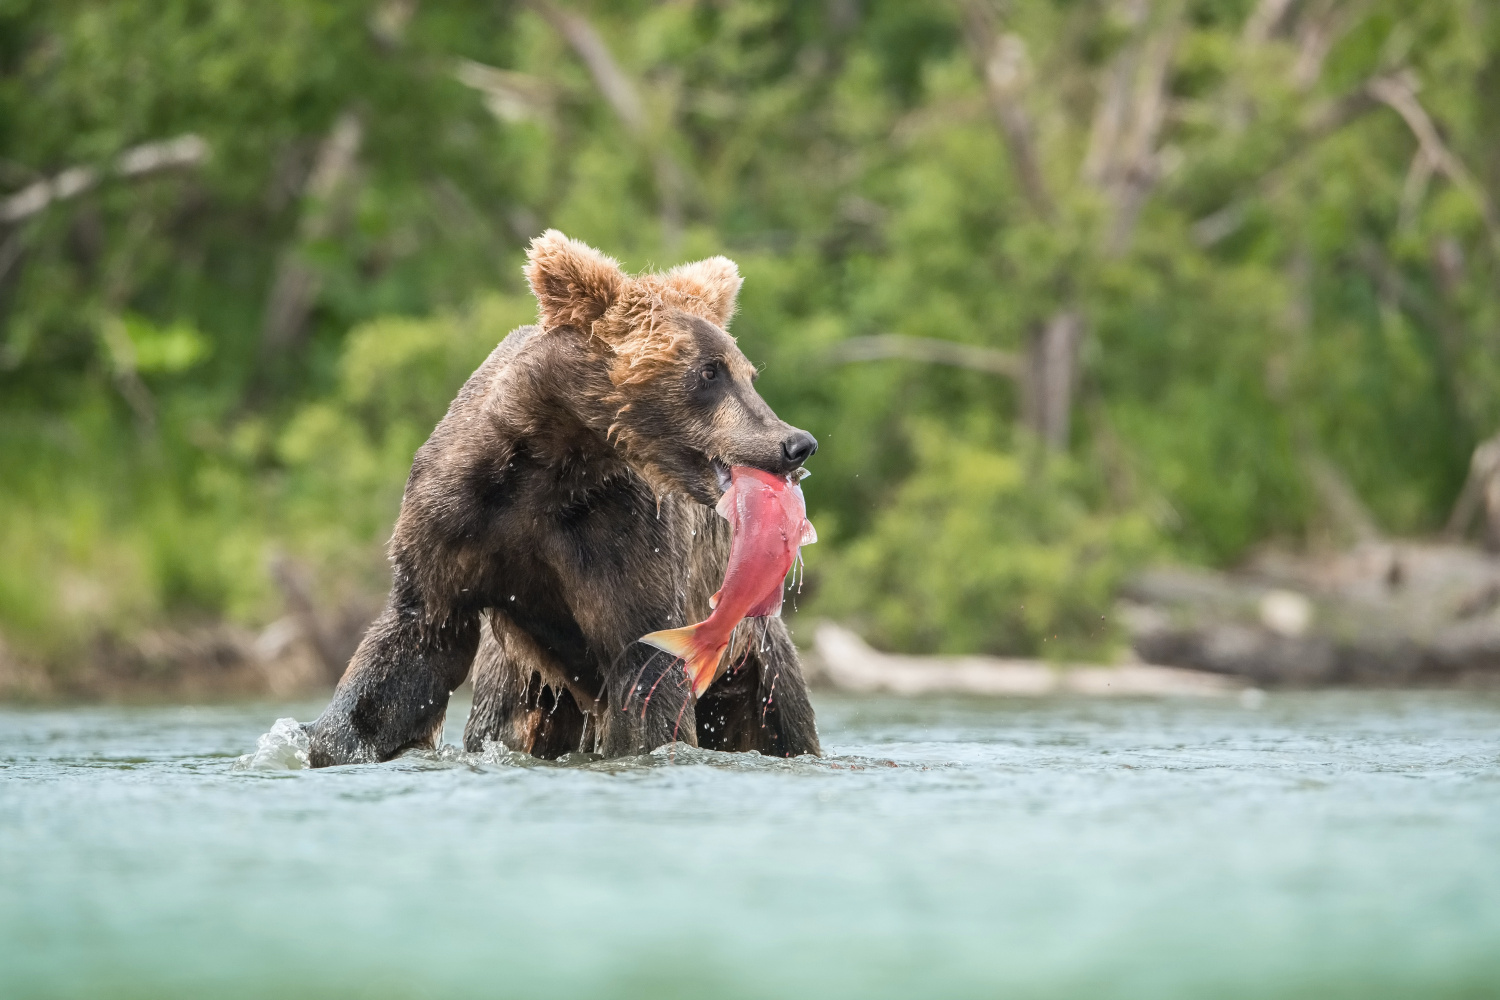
(702, 477)
(721, 470)
(712, 481)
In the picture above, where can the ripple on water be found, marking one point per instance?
(1314, 845)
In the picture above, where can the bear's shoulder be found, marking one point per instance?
(493, 368)
(513, 343)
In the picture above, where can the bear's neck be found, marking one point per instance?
(561, 425)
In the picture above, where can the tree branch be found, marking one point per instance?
(1318, 32)
(895, 347)
(1047, 391)
(1001, 61)
(1122, 161)
(616, 87)
(509, 96)
(147, 158)
(1264, 20)
(1339, 497)
(1319, 124)
(622, 95)
(1399, 93)
(1139, 166)
(1484, 466)
(389, 20)
(295, 288)
(1111, 113)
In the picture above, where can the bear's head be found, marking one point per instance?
(674, 392)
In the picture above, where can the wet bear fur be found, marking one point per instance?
(562, 509)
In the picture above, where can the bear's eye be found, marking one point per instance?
(710, 372)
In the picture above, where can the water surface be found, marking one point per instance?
(1315, 845)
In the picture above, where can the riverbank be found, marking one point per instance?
(1381, 615)
(213, 661)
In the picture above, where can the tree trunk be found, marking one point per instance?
(295, 289)
(1051, 374)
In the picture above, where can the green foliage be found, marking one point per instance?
(1278, 282)
(166, 350)
(987, 550)
(344, 458)
(107, 530)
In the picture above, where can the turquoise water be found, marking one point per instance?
(1315, 845)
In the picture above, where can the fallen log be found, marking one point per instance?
(849, 664)
(1381, 614)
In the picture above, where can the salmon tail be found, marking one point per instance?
(699, 655)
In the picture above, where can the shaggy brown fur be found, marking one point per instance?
(565, 501)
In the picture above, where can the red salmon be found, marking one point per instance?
(768, 518)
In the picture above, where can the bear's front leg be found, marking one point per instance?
(760, 702)
(787, 724)
(650, 703)
(395, 693)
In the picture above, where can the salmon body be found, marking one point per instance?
(768, 519)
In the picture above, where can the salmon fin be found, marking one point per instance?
(713, 601)
(809, 533)
(699, 658)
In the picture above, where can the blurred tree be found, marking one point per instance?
(1230, 262)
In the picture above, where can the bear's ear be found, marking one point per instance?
(573, 283)
(714, 282)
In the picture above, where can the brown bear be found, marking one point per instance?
(566, 499)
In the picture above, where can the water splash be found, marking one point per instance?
(284, 748)
(497, 755)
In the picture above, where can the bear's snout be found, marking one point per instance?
(798, 447)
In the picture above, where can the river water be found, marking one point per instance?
(1308, 845)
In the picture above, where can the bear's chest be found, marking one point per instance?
(606, 561)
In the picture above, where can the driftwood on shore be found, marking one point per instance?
(1380, 614)
(845, 662)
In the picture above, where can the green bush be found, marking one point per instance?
(109, 529)
(346, 456)
(1277, 283)
(986, 550)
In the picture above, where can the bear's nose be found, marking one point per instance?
(799, 447)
